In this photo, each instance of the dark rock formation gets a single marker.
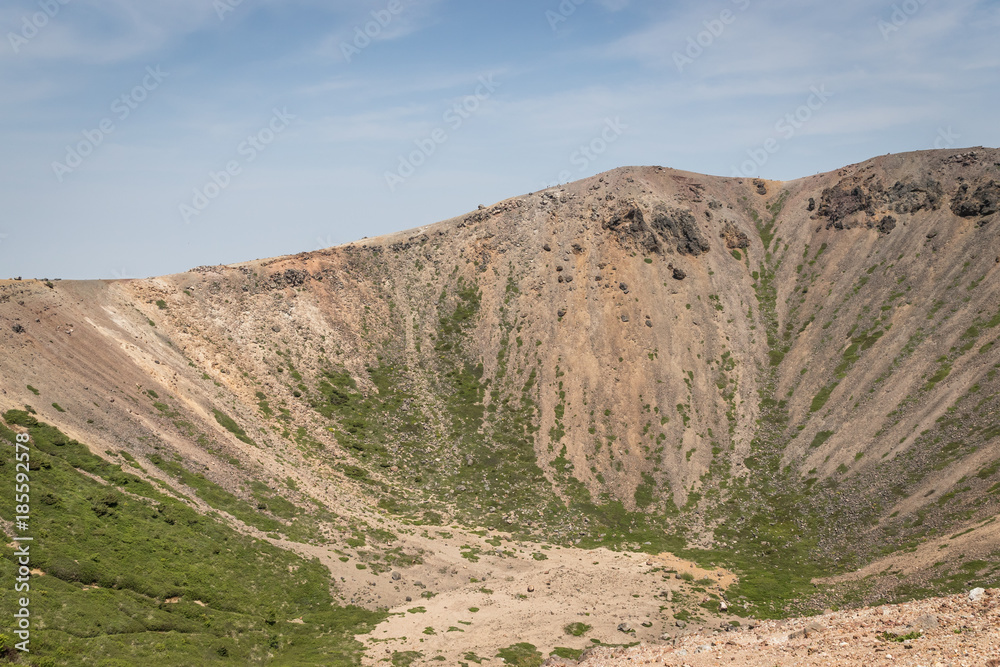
(680, 227)
(912, 196)
(844, 200)
(983, 201)
(886, 224)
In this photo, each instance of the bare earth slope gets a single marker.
(794, 380)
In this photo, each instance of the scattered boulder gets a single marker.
(547, 248)
(396, 576)
(623, 287)
(761, 186)
(561, 312)
(289, 278)
(976, 594)
(812, 204)
(625, 318)
(679, 274)
(624, 627)
(17, 328)
(886, 224)
(925, 622)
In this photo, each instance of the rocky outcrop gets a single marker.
(735, 239)
(982, 202)
(839, 203)
(629, 226)
(668, 230)
(680, 227)
(912, 196)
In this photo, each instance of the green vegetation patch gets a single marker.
(521, 654)
(230, 425)
(172, 587)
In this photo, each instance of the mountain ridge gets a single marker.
(794, 379)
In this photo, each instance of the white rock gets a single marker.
(976, 594)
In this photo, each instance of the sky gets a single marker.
(142, 138)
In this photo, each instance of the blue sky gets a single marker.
(145, 138)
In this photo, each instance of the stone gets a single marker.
(396, 576)
(976, 594)
(679, 274)
(561, 312)
(17, 328)
(735, 239)
(547, 248)
(625, 318)
(623, 287)
(925, 622)
(624, 627)
(649, 323)
(886, 224)
(681, 624)
(813, 627)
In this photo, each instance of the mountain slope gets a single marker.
(796, 379)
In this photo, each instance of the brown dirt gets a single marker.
(954, 632)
